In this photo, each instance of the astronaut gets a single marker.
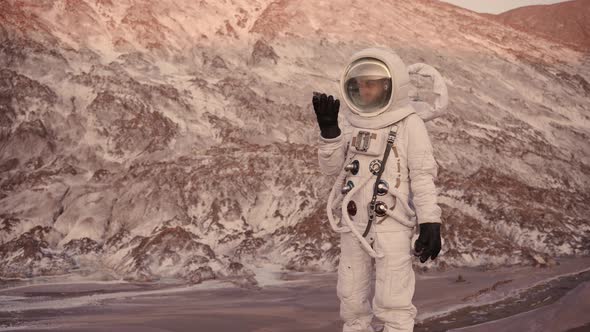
(385, 188)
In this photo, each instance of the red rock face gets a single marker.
(273, 19)
(263, 51)
(565, 22)
(131, 124)
(141, 20)
(172, 139)
(29, 255)
(19, 18)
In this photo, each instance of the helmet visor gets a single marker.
(367, 84)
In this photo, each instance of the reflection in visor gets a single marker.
(368, 85)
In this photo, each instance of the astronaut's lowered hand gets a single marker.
(428, 243)
(326, 109)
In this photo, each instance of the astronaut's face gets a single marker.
(367, 85)
(371, 90)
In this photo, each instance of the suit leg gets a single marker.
(395, 281)
(354, 281)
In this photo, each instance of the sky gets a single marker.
(497, 6)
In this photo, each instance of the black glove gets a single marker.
(326, 110)
(428, 243)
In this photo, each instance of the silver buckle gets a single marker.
(363, 140)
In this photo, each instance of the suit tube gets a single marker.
(330, 205)
(353, 229)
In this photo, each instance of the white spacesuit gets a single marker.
(385, 166)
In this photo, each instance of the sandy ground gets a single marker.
(572, 310)
(507, 299)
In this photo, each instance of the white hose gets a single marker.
(348, 222)
(396, 214)
(396, 193)
(337, 201)
(329, 206)
(345, 200)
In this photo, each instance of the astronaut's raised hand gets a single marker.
(428, 243)
(326, 109)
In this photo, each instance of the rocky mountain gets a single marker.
(176, 139)
(564, 22)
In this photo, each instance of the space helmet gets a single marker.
(374, 85)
